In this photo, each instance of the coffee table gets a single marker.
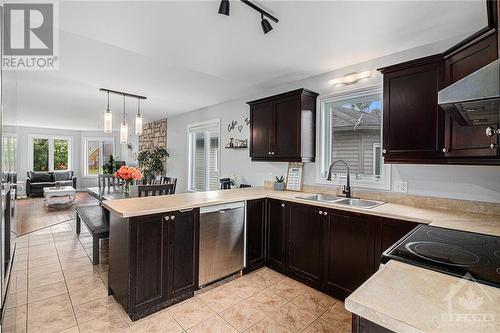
(62, 191)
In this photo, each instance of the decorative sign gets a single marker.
(294, 176)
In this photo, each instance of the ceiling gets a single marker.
(184, 56)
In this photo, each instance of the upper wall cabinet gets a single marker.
(413, 121)
(283, 127)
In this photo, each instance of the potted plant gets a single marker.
(279, 184)
(153, 162)
(109, 168)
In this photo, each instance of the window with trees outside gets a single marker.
(50, 153)
(351, 130)
(97, 153)
(9, 153)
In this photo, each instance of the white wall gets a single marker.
(23, 161)
(461, 182)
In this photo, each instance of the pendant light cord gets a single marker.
(124, 109)
(138, 107)
(108, 103)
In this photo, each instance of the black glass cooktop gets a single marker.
(450, 251)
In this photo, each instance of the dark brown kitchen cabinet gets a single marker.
(413, 128)
(275, 235)
(305, 242)
(255, 234)
(153, 260)
(282, 127)
(389, 231)
(349, 250)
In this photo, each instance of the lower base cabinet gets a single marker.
(255, 234)
(153, 260)
(275, 234)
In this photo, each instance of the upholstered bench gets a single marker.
(94, 218)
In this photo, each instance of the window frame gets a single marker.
(51, 139)
(85, 141)
(216, 123)
(324, 136)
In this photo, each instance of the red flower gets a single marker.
(128, 173)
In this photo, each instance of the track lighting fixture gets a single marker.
(266, 26)
(224, 7)
(108, 119)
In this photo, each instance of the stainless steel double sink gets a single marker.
(351, 202)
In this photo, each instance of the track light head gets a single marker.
(266, 26)
(224, 7)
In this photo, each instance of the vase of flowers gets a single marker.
(128, 174)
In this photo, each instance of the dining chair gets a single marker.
(108, 180)
(225, 183)
(170, 180)
(154, 190)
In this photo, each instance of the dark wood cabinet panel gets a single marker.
(304, 242)
(276, 219)
(261, 129)
(287, 119)
(389, 231)
(282, 127)
(255, 232)
(349, 252)
(183, 236)
(413, 122)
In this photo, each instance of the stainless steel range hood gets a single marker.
(475, 99)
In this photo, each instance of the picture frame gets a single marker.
(294, 177)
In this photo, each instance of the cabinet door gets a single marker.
(255, 252)
(147, 268)
(286, 141)
(304, 248)
(276, 218)
(261, 129)
(413, 121)
(349, 252)
(389, 232)
(183, 252)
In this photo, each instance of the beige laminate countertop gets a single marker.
(481, 223)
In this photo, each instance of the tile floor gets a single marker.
(55, 288)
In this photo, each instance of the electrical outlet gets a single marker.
(401, 186)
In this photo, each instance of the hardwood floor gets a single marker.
(32, 214)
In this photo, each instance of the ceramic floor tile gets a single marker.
(45, 279)
(266, 276)
(14, 320)
(46, 291)
(157, 323)
(245, 287)
(293, 317)
(321, 326)
(220, 298)
(87, 294)
(267, 325)
(84, 270)
(214, 325)
(95, 309)
(53, 314)
(243, 315)
(109, 323)
(16, 299)
(267, 301)
(73, 329)
(191, 313)
(85, 281)
(32, 263)
(288, 289)
(43, 270)
(314, 301)
(338, 316)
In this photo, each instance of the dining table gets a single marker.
(112, 192)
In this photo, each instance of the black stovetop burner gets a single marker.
(450, 251)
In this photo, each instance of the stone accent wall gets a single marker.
(153, 135)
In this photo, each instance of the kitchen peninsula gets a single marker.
(153, 259)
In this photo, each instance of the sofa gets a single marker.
(37, 180)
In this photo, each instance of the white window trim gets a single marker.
(51, 139)
(84, 152)
(323, 136)
(214, 122)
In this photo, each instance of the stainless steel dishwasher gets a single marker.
(221, 241)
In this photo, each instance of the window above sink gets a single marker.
(351, 130)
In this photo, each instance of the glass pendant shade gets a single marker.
(108, 121)
(124, 133)
(138, 124)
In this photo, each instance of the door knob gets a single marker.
(445, 150)
(282, 205)
(172, 217)
(320, 212)
(384, 151)
(325, 213)
(167, 218)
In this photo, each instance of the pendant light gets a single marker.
(124, 126)
(108, 119)
(138, 118)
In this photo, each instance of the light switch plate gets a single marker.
(401, 186)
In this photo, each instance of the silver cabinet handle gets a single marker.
(325, 213)
(384, 151)
(272, 153)
(172, 217)
(493, 146)
(320, 212)
(282, 205)
(167, 218)
(185, 210)
(445, 150)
